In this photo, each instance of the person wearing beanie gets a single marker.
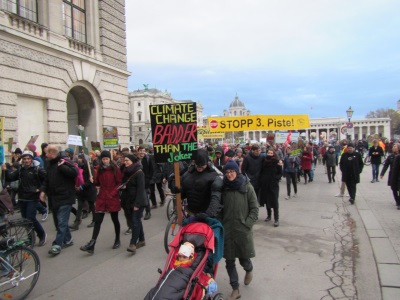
(134, 200)
(32, 179)
(239, 215)
(251, 166)
(330, 159)
(109, 178)
(70, 153)
(270, 175)
(202, 187)
(17, 155)
(351, 165)
(390, 163)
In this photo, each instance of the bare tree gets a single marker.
(387, 113)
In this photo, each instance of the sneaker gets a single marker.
(377, 180)
(154, 206)
(45, 215)
(373, 180)
(129, 231)
(351, 201)
(68, 244)
(295, 195)
(42, 241)
(91, 224)
(140, 244)
(276, 223)
(55, 250)
(268, 219)
(339, 195)
(287, 197)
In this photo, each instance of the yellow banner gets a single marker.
(259, 122)
(203, 132)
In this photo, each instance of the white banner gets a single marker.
(75, 140)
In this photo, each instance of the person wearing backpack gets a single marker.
(31, 179)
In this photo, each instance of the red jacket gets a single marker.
(108, 197)
(306, 158)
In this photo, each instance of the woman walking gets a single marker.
(239, 215)
(135, 198)
(108, 179)
(306, 163)
(290, 167)
(271, 173)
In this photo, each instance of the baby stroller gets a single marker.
(194, 282)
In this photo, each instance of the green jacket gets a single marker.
(240, 212)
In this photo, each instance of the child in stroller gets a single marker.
(190, 270)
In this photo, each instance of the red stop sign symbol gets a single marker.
(213, 124)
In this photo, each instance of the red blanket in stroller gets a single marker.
(188, 282)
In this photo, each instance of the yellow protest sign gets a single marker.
(203, 132)
(259, 122)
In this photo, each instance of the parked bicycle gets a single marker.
(21, 229)
(19, 269)
(171, 205)
(367, 160)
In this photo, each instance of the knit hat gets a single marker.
(132, 158)
(31, 147)
(238, 150)
(350, 145)
(231, 165)
(27, 153)
(105, 153)
(18, 151)
(69, 150)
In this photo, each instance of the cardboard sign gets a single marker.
(259, 122)
(74, 140)
(174, 131)
(95, 146)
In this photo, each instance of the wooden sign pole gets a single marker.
(178, 195)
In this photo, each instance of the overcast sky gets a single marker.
(279, 56)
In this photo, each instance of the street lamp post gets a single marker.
(349, 112)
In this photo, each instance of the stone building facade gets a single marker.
(63, 64)
(139, 102)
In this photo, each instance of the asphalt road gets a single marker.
(319, 251)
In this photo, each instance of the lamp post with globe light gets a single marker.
(349, 113)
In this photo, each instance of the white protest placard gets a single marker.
(74, 140)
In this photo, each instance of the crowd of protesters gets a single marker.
(222, 178)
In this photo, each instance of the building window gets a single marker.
(138, 104)
(74, 17)
(139, 116)
(140, 128)
(23, 8)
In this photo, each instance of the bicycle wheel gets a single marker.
(20, 267)
(171, 209)
(22, 231)
(367, 161)
(171, 231)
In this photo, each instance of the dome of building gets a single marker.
(236, 103)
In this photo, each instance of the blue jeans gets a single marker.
(28, 211)
(375, 171)
(137, 226)
(63, 233)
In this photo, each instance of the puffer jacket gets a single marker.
(31, 180)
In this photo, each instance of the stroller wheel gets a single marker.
(218, 296)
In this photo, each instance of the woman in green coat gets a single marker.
(239, 215)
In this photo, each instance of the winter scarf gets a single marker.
(235, 184)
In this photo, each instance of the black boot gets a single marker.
(89, 247)
(74, 226)
(117, 244)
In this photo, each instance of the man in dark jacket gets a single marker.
(330, 159)
(60, 189)
(202, 187)
(351, 165)
(251, 167)
(31, 179)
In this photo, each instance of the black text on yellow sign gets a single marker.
(259, 122)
